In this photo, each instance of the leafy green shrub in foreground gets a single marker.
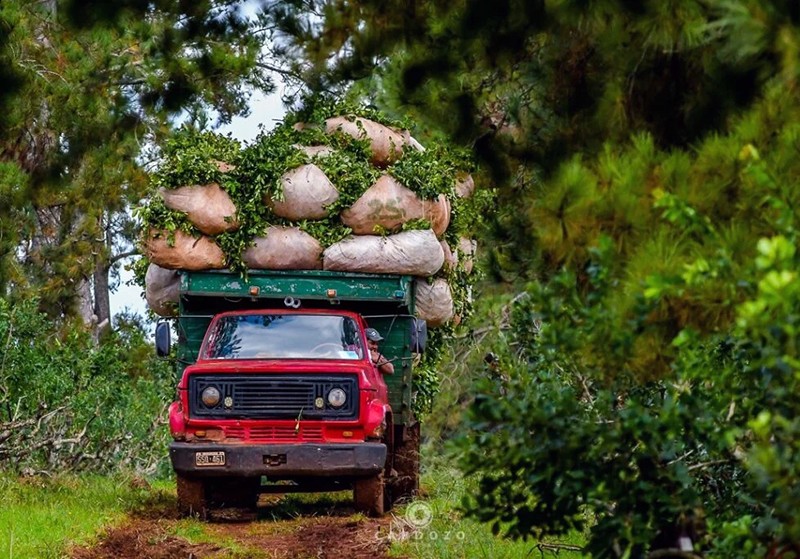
(708, 450)
(70, 403)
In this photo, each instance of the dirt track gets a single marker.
(279, 532)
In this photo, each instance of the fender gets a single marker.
(375, 419)
(177, 423)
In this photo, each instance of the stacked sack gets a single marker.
(305, 194)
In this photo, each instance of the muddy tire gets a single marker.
(404, 483)
(369, 495)
(192, 497)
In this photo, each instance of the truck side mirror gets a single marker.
(163, 338)
(419, 335)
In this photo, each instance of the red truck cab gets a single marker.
(290, 395)
(277, 398)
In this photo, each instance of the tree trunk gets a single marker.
(84, 300)
(102, 304)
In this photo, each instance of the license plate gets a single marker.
(216, 458)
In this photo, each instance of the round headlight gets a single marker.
(210, 396)
(337, 397)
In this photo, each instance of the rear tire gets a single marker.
(405, 479)
(369, 495)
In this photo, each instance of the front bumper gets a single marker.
(279, 460)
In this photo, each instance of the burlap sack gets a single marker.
(162, 290)
(208, 207)
(450, 258)
(306, 194)
(466, 253)
(434, 301)
(187, 253)
(465, 186)
(385, 143)
(438, 213)
(284, 248)
(389, 204)
(315, 151)
(410, 140)
(416, 253)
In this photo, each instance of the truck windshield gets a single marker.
(284, 336)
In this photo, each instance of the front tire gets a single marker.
(369, 495)
(192, 497)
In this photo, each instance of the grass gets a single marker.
(449, 536)
(39, 517)
(196, 531)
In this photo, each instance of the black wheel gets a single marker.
(369, 495)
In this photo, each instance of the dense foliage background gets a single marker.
(643, 302)
(92, 89)
(70, 403)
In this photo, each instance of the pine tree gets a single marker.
(97, 84)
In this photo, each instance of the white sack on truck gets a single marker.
(284, 248)
(434, 303)
(186, 253)
(315, 151)
(385, 143)
(208, 207)
(388, 204)
(450, 258)
(416, 253)
(465, 185)
(409, 139)
(307, 192)
(438, 213)
(162, 290)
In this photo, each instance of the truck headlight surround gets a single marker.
(210, 396)
(337, 397)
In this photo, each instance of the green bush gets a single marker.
(573, 430)
(70, 403)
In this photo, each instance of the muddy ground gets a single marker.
(318, 530)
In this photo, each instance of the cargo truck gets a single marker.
(278, 394)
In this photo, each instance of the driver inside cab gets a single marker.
(383, 365)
